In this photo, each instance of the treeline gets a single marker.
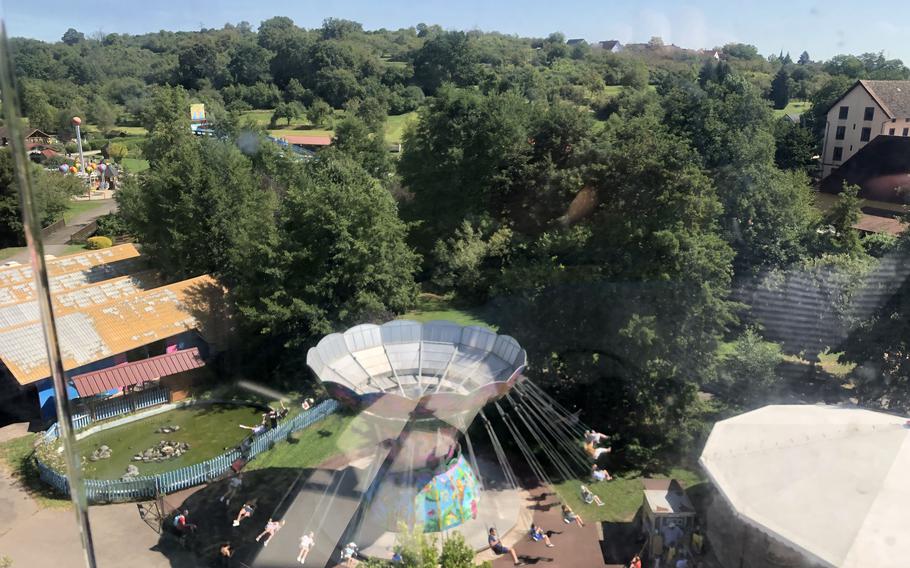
(107, 77)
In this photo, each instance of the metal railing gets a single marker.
(146, 487)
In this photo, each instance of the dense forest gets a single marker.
(606, 209)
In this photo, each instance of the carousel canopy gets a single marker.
(828, 481)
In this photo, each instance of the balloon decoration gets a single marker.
(73, 169)
(77, 121)
(64, 168)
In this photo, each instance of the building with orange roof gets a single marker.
(110, 312)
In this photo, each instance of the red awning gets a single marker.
(126, 374)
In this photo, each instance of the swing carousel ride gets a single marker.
(420, 387)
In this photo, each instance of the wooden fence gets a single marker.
(146, 487)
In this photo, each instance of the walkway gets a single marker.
(574, 546)
(56, 243)
(31, 536)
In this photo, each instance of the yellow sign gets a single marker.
(197, 111)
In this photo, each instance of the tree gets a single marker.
(742, 51)
(116, 151)
(655, 42)
(52, 194)
(287, 111)
(447, 57)
(748, 373)
(198, 208)
(319, 113)
(102, 114)
(249, 63)
(200, 59)
(793, 146)
(780, 89)
(842, 217)
(337, 28)
(72, 37)
(354, 138)
(816, 117)
(468, 262)
(804, 58)
(456, 553)
(35, 106)
(340, 258)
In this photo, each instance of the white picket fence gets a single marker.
(145, 487)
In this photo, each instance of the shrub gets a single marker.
(97, 143)
(112, 225)
(95, 243)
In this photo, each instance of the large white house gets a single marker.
(868, 109)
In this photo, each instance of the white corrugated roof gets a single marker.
(829, 481)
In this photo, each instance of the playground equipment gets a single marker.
(77, 122)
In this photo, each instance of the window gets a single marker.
(843, 112)
(893, 120)
(838, 153)
(841, 130)
(865, 134)
(906, 130)
(890, 132)
(869, 114)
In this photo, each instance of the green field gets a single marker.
(134, 165)
(16, 458)
(209, 429)
(10, 251)
(622, 497)
(794, 107)
(431, 307)
(394, 127)
(311, 446)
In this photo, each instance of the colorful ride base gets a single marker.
(443, 501)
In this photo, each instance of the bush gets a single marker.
(71, 147)
(111, 225)
(95, 243)
(97, 143)
(878, 244)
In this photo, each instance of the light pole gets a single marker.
(76, 122)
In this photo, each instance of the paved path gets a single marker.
(56, 242)
(34, 537)
(574, 546)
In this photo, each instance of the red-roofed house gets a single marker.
(310, 142)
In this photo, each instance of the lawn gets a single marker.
(209, 429)
(16, 457)
(793, 107)
(622, 497)
(134, 165)
(432, 307)
(10, 251)
(77, 208)
(395, 126)
(312, 446)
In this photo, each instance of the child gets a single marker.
(589, 497)
(598, 474)
(538, 535)
(234, 486)
(349, 554)
(306, 543)
(569, 516)
(595, 453)
(271, 528)
(245, 512)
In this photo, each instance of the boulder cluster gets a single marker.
(167, 429)
(101, 453)
(164, 450)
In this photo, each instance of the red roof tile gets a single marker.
(96, 382)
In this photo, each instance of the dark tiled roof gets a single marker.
(894, 96)
(609, 44)
(881, 168)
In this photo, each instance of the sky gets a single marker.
(821, 28)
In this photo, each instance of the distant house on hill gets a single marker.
(576, 41)
(32, 136)
(611, 45)
(867, 110)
